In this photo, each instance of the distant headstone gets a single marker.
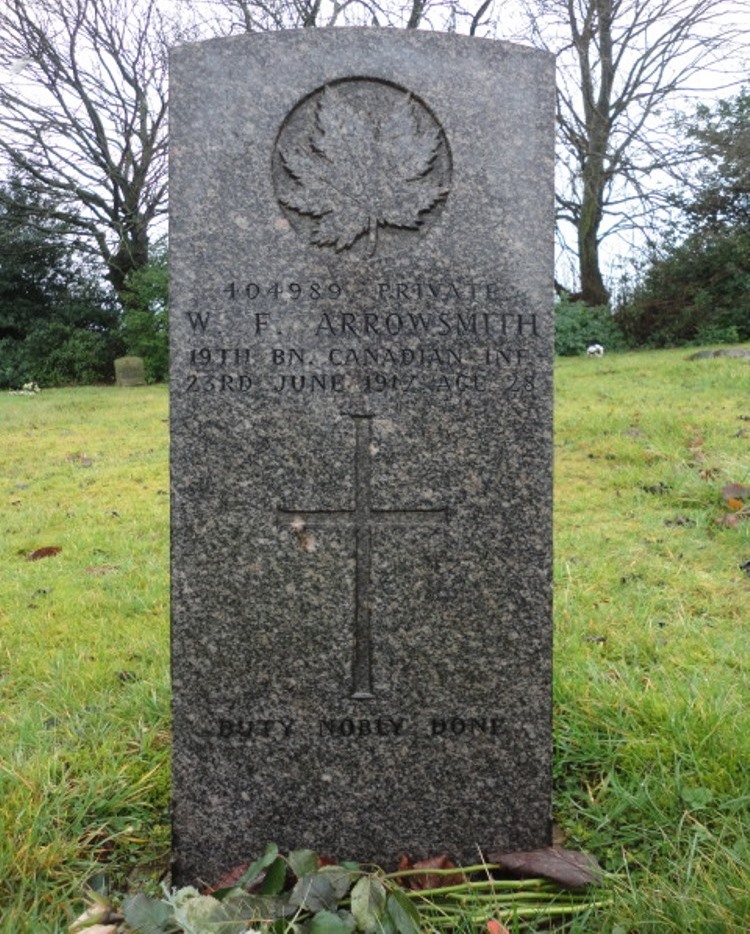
(129, 371)
(361, 340)
(733, 352)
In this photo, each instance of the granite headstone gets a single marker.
(361, 340)
(130, 371)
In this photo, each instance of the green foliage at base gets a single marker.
(300, 894)
(578, 325)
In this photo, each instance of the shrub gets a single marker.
(57, 354)
(578, 325)
(144, 325)
(697, 292)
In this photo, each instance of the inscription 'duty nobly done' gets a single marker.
(359, 728)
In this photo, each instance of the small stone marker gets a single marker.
(129, 371)
(361, 332)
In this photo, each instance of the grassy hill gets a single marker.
(652, 669)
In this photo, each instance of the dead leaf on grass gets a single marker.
(735, 492)
(230, 879)
(656, 489)
(570, 868)
(428, 880)
(127, 676)
(49, 552)
(732, 519)
(82, 460)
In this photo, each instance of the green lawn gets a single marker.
(652, 683)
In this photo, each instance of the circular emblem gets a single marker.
(359, 162)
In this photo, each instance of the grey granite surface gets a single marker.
(361, 340)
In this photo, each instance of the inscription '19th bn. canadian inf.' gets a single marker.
(444, 337)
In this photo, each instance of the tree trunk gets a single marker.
(593, 290)
(131, 254)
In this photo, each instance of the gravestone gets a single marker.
(129, 371)
(361, 340)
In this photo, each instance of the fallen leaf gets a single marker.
(97, 919)
(735, 491)
(127, 676)
(49, 552)
(229, 880)
(657, 489)
(494, 927)
(323, 861)
(81, 459)
(429, 880)
(731, 519)
(569, 868)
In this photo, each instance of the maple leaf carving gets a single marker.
(363, 170)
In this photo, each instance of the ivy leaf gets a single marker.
(403, 913)
(273, 884)
(363, 171)
(368, 903)
(303, 862)
(148, 915)
(340, 878)
(313, 892)
(256, 868)
(202, 913)
(326, 922)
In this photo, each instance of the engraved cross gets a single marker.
(363, 518)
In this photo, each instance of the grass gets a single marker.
(83, 646)
(652, 673)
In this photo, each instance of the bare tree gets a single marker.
(83, 103)
(226, 16)
(621, 64)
